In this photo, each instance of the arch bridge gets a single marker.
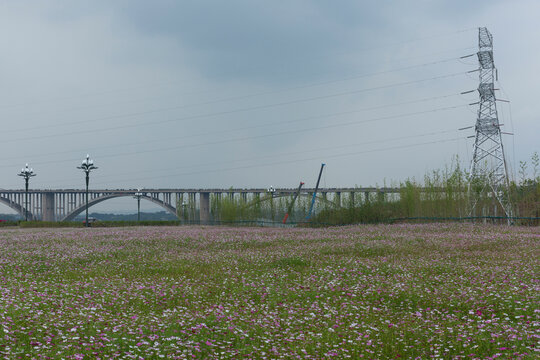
(66, 204)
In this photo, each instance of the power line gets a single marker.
(234, 130)
(393, 139)
(293, 161)
(246, 138)
(228, 112)
(108, 91)
(281, 162)
(242, 97)
(288, 154)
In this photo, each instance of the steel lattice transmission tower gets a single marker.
(488, 173)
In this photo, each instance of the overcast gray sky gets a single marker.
(200, 94)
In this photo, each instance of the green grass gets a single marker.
(441, 290)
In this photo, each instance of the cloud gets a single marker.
(254, 40)
(167, 93)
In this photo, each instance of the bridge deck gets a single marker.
(65, 204)
(200, 190)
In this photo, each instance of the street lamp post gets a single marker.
(138, 196)
(271, 190)
(87, 166)
(26, 173)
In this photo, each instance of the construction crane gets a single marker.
(289, 209)
(315, 192)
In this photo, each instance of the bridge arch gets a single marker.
(18, 208)
(92, 202)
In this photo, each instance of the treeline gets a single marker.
(447, 195)
(441, 195)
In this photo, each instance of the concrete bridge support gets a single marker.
(48, 205)
(337, 198)
(204, 208)
(192, 206)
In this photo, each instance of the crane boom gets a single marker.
(315, 192)
(289, 209)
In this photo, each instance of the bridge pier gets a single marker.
(337, 199)
(192, 206)
(48, 207)
(204, 208)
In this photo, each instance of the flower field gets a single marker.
(375, 292)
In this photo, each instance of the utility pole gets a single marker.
(488, 173)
